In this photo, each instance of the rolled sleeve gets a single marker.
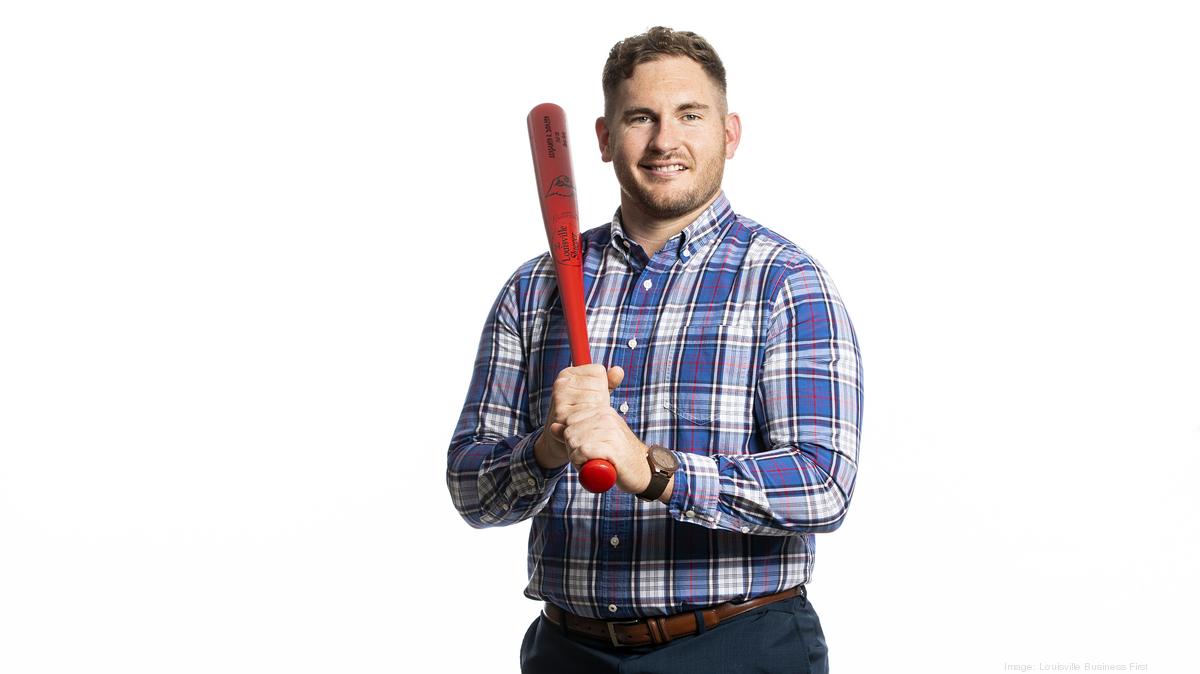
(529, 478)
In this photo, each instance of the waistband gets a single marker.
(660, 630)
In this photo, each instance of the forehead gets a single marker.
(667, 81)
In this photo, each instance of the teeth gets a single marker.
(672, 167)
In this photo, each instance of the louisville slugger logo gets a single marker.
(565, 243)
(561, 187)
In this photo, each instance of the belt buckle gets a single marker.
(612, 633)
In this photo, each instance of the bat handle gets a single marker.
(597, 475)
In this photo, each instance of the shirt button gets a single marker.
(624, 408)
(647, 284)
(690, 513)
(615, 541)
(745, 530)
(686, 253)
(612, 608)
(633, 343)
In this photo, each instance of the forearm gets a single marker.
(548, 453)
(777, 493)
(491, 471)
(499, 483)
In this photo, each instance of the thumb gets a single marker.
(615, 376)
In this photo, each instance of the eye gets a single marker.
(692, 117)
(639, 119)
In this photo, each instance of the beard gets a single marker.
(675, 202)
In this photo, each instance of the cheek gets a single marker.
(631, 144)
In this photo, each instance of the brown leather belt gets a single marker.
(656, 631)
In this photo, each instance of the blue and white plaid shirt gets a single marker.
(738, 354)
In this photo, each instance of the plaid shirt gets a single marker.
(738, 355)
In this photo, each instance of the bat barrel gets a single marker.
(560, 213)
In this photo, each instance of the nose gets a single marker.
(666, 136)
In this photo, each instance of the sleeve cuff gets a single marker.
(695, 494)
(528, 477)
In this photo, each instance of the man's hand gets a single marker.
(582, 425)
(601, 433)
(575, 390)
(592, 430)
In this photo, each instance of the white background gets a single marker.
(248, 247)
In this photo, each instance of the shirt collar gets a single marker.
(699, 234)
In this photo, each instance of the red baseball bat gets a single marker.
(556, 192)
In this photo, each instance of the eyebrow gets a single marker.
(690, 105)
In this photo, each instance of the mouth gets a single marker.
(663, 170)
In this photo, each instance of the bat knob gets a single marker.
(597, 476)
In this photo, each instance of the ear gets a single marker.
(733, 134)
(603, 137)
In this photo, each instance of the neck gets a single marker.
(652, 233)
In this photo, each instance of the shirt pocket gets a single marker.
(711, 380)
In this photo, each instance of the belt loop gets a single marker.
(662, 627)
(658, 635)
(803, 595)
(561, 622)
(700, 627)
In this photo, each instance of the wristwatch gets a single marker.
(663, 464)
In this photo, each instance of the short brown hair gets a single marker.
(653, 44)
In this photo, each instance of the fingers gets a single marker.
(579, 398)
(591, 433)
(575, 419)
(564, 414)
(581, 385)
(583, 412)
(584, 378)
(577, 388)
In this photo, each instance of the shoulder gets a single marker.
(541, 267)
(784, 262)
(534, 282)
(799, 289)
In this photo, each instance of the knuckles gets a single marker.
(592, 430)
(590, 376)
(567, 392)
(592, 371)
(579, 416)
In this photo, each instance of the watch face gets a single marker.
(664, 459)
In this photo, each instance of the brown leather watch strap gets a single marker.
(659, 630)
(658, 484)
(660, 475)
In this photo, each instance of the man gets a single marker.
(730, 406)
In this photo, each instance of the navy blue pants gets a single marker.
(784, 636)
